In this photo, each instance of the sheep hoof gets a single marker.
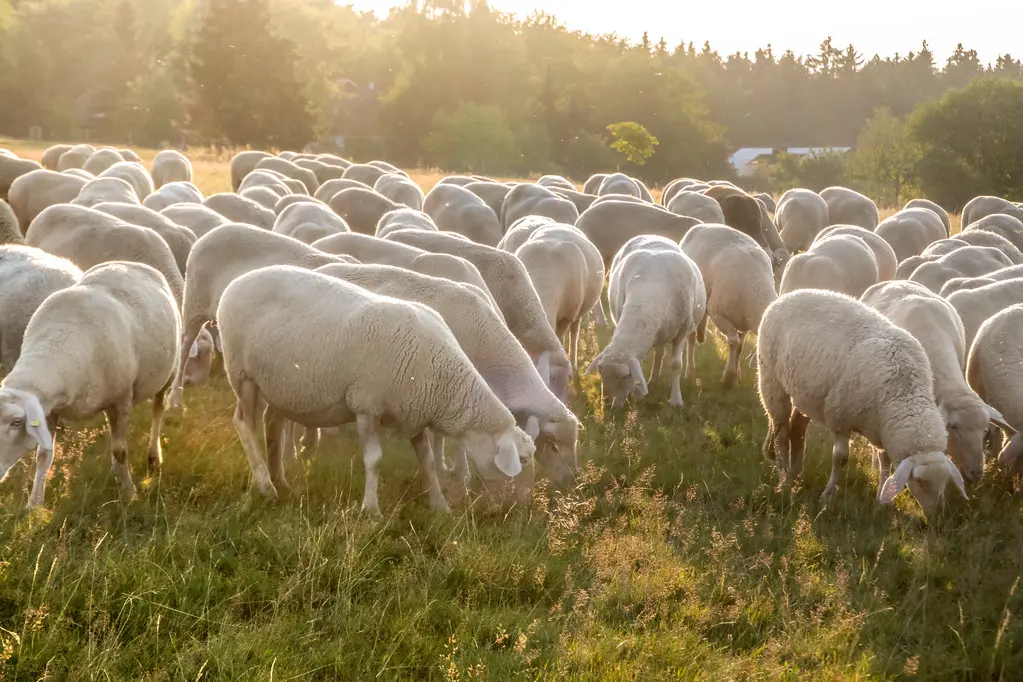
(175, 401)
(267, 490)
(372, 512)
(676, 402)
(129, 493)
(827, 497)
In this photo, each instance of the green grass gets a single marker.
(674, 558)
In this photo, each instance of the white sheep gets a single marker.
(657, 298)
(362, 208)
(884, 255)
(981, 237)
(936, 325)
(170, 165)
(75, 157)
(969, 261)
(328, 189)
(739, 279)
(995, 371)
(179, 239)
(910, 231)
(279, 184)
(522, 229)
(404, 218)
(388, 362)
(401, 190)
(801, 215)
(244, 163)
(10, 232)
(263, 196)
(51, 157)
(135, 174)
(195, 217)
(103, 190)
(105, 344)
(238, 209)
(456, 209)
(854, 371)
(977, 305)
(610, 224)
(173, 193)
(528, 199)
(983, 206)
(1008, 226)
(308, 222)
(849, 207)
(938, 211)
(33, 192)
(289, 170)
(101, 159)
(961, 283)
(842, 263)
(696, 205)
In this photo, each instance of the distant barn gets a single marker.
(745, 160)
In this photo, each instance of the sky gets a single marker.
(883, 27)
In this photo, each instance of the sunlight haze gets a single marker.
(883, 27)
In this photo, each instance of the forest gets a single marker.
(459, 86)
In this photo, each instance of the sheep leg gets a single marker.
(421, 443)
(287, 442)
(884, 465)
(190, 332)
(676, 371)
(278, 431)
(117, 421)
(655, 372)
(797, 443)
(155, 451)
(839, 457)
(573, 343)
(461, 463)
(44, 460)
(731, 334)
(372, 453)
(690, 357)
(310, 441)
(245, 424)
(597, 311)
(738, 356)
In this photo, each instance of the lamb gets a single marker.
(364, 173)
(404, 218)
(195, 217)
(11, 168)
(238, 209)
(361, 208)
(969, 261)
(995, 370)
(529, 200)
(75, 157)
(102, 159)
(696, 205)
(849, 207)
(509, 283)
(1001, 224)
(492, 193)
(938, 211)
(910, 231)
(739, 281)
(309, 222)
(982, 206)
(103, 190)
(801, 215)
(134, 174)
(400, 190)
(242, 164)
(884, 256)
(29, 275)
(854, 371)
(657, 297)
(124, 326)
(173, 193)
(977, 305)
(842, 263)
(10, 233)
(456, 209)
(936, 325)
(51, 157)
(179, 239)
(611, 224)
(289, 170)
(325, 384)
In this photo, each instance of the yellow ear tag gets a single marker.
(34, 422)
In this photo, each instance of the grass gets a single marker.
(674, 558)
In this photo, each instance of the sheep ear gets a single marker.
(217, 343)
(957, 478)
(533, 427)
(636, 370)
(193, 352)
(896, 482)
(594, 366)
(996, 418)
(507, 459)
(543, 366)
(35, 423)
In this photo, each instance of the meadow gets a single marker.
(675, 557)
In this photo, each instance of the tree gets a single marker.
(885, 157)
(632, 141)
(472, 137)
(246, 88)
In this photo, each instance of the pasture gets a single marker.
(675, 557)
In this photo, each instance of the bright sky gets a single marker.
(991, 27)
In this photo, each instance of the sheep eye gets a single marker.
(17, 423)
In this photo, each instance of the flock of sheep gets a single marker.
(339, 292)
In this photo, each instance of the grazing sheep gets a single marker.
(400, 190)
(460, 180)
(884, 256)
(938, 211)
(51, 157)
(11, 168)
(969, 261)
(102, 190)
(767, 200)
(238, 209)
(995, 371)
(981, 237)
(910, 231)
(331, 187)
(129, 155)
(960, 283)
(977, 305)
(553, 181)
(521, 230)
(322, 171)
(242, 164)
(696, 205)
(657, 298)
(105, 344)
(264, 196)
(983, 206)
(195, 217)
(492, 193)
(936, 250)
(308, 222)
(29, 275)
(581, 201)
(267, 179)
(740, 285)
(170, 165)
(10, 233)
(290, 170)
(40, 189)
(801, 215)
(849, 207)
(854, 371)
(1001, 224)
(75, 157)
(365, 173)
(592, 184)
(611, 224)
(618, 197)
(456, 209)
(618, 183)
(291, 199)
(404, 218)
(173, 193)
(388, 167)
(134, 174)
(102, 159)
(936, 325)
(841, 263)
(508, 282)
(333, 160)
(674, 187)
(326, 384)
(746, 214)
(536, 200)
(362, 208)
(179, 239)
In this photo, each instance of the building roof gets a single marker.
(744, 159)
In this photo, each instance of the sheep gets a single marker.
(333, 160)
(969, 261)
(75, 157)
(123, 325)
(11, 168)
(271, 180)
(10, 233)
(388, 167)
(459, 180)
(994, 372)
(238, 209)
(101, 159)
(854, 371)
(1001, 224)
(508, 282)
(218, 258)
(456, 209)
(264, 196)
(173, 193)
(618, 183)
(553, 181)
(982, 206)
(331, 187)
(170, 165)
(993, 240)
(910, 231)
(739, 281)
(404, 218)
(567, 272)
(961, 283)
(936, 250)
(841, 263)
(849, 207)
(242, 164)
(289, 170)
(767, 200)
(134, 174)
(801, 215)
(309, 222)
(529, 200)
(522, 230)
(301, 379)
(750, 216)
(492, 193)
(35, 191)
(129, 155)
(195, 217)
(291, 199)
(29, 275)
(581, 201)
(322, 171)
(401, 190)
(938, 211)
(592, 184)
(657, 297)
(977, 305)
(51, 157)
(674, 187)
(179, 239)
(611, 224)
(884, 256)
(79, 173)
(102, 190)
(364, 173)
(696, 205)
(936, 325)
(361, 208)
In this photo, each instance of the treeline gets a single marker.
(439, 82)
